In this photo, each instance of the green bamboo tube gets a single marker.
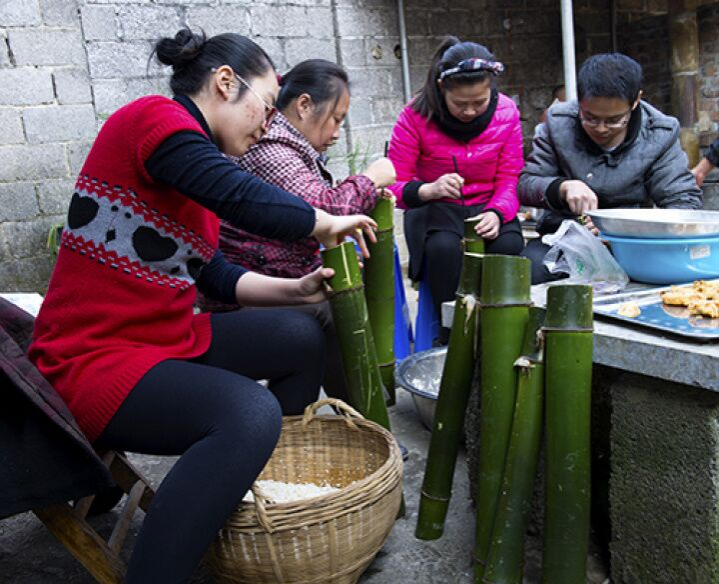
(354, 333)
(472, 242)
(451, 404)
(568, 358)
(505, 301)
(506, 553)
(379, 292)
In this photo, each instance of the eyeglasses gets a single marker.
(270, 110)
(613, 123)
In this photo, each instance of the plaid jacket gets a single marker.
(285, 158)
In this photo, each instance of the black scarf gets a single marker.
(466, 131)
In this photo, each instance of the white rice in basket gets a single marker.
(279, 492)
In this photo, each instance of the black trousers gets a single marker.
(535, 251)
(224, 425)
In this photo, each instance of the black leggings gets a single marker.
(333, 382)
(224, 424)
(443, 254)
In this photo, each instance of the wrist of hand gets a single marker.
(426, 192)
(563, 190)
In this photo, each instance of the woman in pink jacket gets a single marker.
(457, 150)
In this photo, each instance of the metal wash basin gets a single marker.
(420, 374)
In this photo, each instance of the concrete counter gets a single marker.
(640, 350)
(655, 432)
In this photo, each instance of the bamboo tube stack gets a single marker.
(379, 291)
(506, 553)
(505, 301)
(451, 404)
(354, 333)
(568, 337)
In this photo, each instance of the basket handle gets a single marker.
(260, 502)
(347, 413)
(345, 410)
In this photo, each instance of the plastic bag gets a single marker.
(575, 251)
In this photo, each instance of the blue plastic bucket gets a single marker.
(666, 261)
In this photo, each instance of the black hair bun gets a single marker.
(181, 50)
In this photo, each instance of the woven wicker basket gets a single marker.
(330, 539)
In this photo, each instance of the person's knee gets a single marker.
(441, 244)
(305, 330)
(506, 244)
(535, 252)
(249, 415)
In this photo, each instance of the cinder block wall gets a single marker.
(65, 65)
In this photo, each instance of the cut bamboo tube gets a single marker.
(568, 358)
(506, 553)
(472, 242)
(451, 404)
(379, 292)
(354, 333)
(505, 301)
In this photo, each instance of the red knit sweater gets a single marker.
(120, 299)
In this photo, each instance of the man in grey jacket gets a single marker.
(609, 149)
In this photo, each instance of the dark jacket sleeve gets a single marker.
(541, 178)
(669, 182)
(217, 280)
(192, 164)
(712, 153)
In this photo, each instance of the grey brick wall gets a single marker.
(66, 65)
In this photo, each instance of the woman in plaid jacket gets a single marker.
(313, 102)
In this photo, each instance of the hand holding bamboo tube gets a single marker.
(331, 230)
(254, 289)
(472, 242)
(354, 333)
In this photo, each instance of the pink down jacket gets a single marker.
(489, 163)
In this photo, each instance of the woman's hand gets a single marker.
(381, 172)
(578, 196)
(447, 185)
(311, 288)
(254, 289)
(330, 230)
(386, 194)
(488, 226)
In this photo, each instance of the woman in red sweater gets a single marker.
(117, 336)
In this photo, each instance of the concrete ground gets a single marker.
(30, 555)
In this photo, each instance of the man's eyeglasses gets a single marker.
(613, 123)
(270, 110)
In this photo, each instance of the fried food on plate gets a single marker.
(705, 308)
(629, 309)
(681, 296)
(701, 297)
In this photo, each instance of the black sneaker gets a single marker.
(403, 451)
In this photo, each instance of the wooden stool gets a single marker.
(68, 524)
